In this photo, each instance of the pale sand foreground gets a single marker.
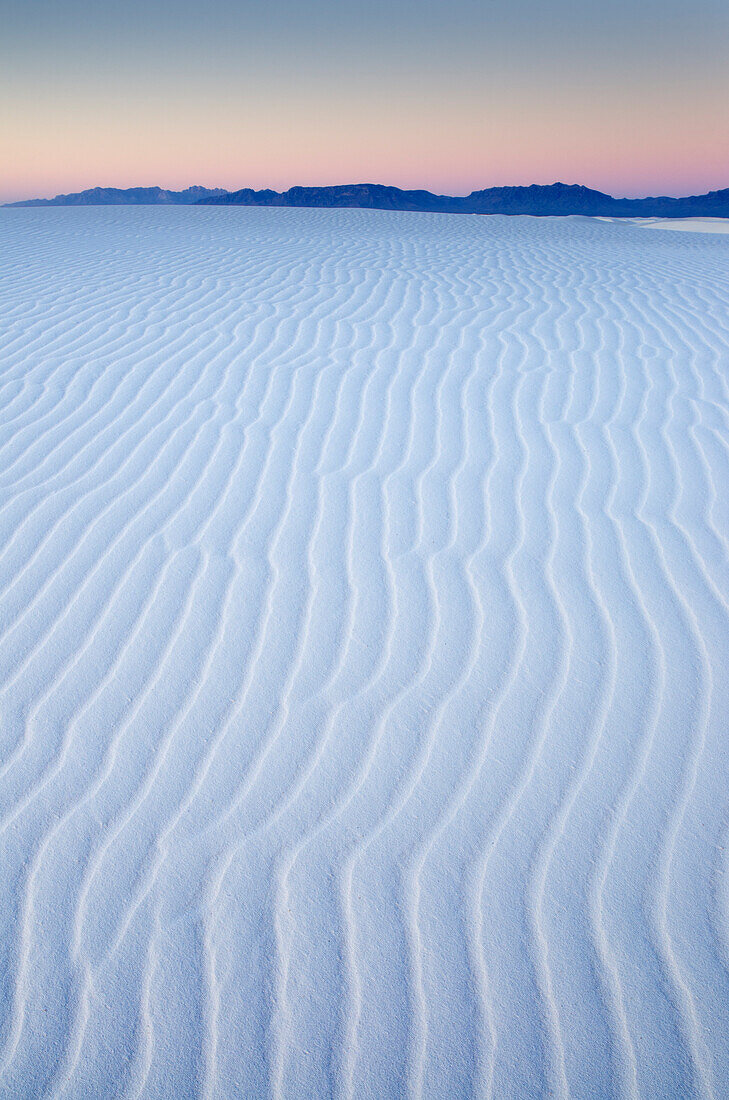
(364, 656)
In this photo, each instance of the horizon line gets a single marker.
(358, 183)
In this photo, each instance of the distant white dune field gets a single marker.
(363, 666)
(688, 225)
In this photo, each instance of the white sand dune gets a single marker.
(687, 225)
(364, 695)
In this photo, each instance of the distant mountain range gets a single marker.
(130, 196)
(538, 200)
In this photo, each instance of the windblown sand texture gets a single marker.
(365, 656)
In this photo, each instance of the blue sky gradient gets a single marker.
(450, 96)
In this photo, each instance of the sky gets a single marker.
(451, 95)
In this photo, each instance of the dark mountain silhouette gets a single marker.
(538, 200)
(374, 196)
(555, 199)
(130, 196)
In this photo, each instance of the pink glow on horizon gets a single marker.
(646, 179)
(623, 147)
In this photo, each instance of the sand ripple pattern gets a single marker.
(364, 704)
